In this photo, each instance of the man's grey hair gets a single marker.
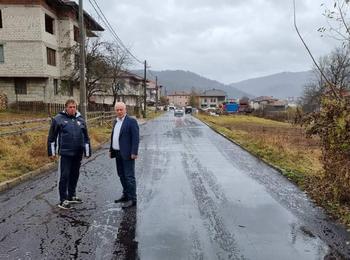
(119, 104)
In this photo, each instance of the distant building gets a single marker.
(268, 103)
(261, 102)
(277, 105)
(153, 91)
(212, 98)
(130, 91)
(179, 98)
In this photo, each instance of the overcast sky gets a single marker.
(224, 40)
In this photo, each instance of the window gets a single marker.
(70, 91)
(66, 88)
(76, 61)
(20, 86)
(51, 56)
(49, 22)
(76, 33)
(55, 86)
(0, 18)
(2, 58)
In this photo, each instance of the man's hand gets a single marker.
(53, 157)
(134, 156)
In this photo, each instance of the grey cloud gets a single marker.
(226, 40)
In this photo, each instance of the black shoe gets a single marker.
(129, 204)
(75, 200)
(64, 205)
(121, 199)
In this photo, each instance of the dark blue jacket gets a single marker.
(128, 138)
(68, 135)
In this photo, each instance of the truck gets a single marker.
(231, 107)
(244, 106)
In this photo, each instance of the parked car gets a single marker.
(179, 112)
(188, 110)
(208, 109)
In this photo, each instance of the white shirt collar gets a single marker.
(121, 120)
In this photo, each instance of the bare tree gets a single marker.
(97, 66)
(336, 67)
(338, 27)
(332, 122)
(117, 60)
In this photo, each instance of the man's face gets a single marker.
(71, 109)
(120, 110)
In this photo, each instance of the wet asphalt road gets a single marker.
(199, 197)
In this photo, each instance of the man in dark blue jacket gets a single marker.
(124, 148)
(68, 137)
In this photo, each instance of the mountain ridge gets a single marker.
(280, 85)
(178, 80)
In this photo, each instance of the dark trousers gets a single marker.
(69, 175)
(126, 173)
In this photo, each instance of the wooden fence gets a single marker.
(20, 127)
(52, 108)
(100, 117)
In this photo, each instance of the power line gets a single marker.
(114, 34)
(108, 25)
(117, 38)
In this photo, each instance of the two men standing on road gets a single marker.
(124, 148)
(68, 137)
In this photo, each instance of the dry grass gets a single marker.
(285, 146)
(6, 116)
(280, 144)
(153, 114)
(18, 154)
(23, 153)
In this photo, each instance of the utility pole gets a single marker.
(144, 91)
(82, 62)
(156, 94)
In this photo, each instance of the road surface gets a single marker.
(199, 197)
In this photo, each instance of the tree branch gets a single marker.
(331, 85)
